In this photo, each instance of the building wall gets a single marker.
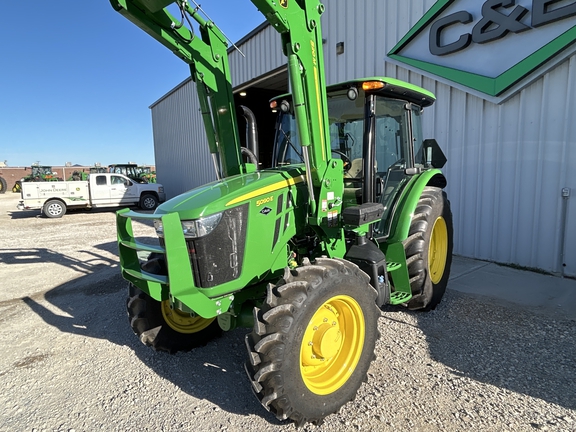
(181, 153)
(507, 162)
(262, 54)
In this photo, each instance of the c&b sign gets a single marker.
(488, 45)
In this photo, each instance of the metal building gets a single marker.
(504, 78)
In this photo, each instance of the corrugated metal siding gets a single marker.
(182, 157)
(181, 152)
(506, 167)
(506, 164)
(263, 54)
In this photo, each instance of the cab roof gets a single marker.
(392, 88)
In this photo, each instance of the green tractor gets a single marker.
(38, 173)
(146, 173)
(350, 217)
(78, 176)
(83, 176)
(129, 170)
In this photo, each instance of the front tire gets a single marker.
(165, 329)
(429, 249)
(54, 209)
(148, 202)
(313, 340)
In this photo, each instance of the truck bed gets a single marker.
(72, 192)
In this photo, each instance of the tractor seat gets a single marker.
(355, 170)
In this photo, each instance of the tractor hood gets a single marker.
(230, 192)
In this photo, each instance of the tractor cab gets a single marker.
(98, 170)
(129, 170)
(42, 173)
(376, 130)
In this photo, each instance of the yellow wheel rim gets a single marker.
(438, 250)
(183, 322)
(332, 345)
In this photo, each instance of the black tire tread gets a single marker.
(425, 296)
(273, 322)
(146, 321)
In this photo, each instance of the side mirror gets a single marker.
(433, 153)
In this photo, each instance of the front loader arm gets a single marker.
(208, 60)
(298, 22)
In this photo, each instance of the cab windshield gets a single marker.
(396, 125)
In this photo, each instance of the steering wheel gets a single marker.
(346, 159)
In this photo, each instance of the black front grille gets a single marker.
(217, 257)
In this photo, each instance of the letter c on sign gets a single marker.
(436, 48)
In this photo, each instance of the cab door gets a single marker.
(122, 190)
(393, 154)
(100, 190)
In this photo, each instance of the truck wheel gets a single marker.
(54, 209)
(165, 329)
(148, 202)
(429, 249)
(3, 185)
(313, 340)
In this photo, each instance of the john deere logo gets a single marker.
(284, 3)
(488, 45)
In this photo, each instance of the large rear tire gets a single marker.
(313, 340)
(165, 329)
(3, 185)
(429, 249)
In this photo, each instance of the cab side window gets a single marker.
(100, 180)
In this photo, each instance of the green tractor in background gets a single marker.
(83, 176)
(146, 173)
(350, 217)
(131, 171)
(38, 173)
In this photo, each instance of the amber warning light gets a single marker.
(372, 85)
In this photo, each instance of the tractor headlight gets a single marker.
(201, 227)
(193, 228)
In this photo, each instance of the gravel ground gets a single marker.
(70, 361)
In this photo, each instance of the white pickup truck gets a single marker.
(100, 190)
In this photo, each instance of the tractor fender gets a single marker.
(408, 201)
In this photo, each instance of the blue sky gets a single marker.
(77, 78)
